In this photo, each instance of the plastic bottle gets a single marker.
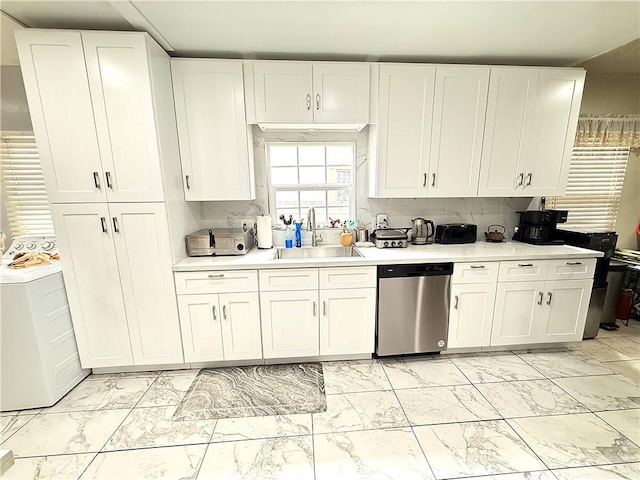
(288, 238)
(298, 235)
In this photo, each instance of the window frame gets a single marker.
(312, 186)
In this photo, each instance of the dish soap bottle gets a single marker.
(298, 235)
(288, 238)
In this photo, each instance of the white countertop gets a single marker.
(472, 252)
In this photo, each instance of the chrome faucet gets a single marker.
(311, 227)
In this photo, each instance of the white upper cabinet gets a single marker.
(507, 135)
(554, 130)
(341, 93)
(215, 143)
(55, 77)
(460, 103)
(401, 143)
(284, 92)
(302, 92)
(120, 82)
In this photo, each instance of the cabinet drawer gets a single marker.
(523, 271)
(348, 277)
(290, 279)
(571, 269)
(228, 281)
(475, 272)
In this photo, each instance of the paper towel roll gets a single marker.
(265, 240)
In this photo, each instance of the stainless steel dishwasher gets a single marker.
(413, 308)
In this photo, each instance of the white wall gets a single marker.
(481, 211)
(606, 94)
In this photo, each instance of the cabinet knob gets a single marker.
(424, 180)
(455, 305)
(314, 309)
(108, 177)
(550, 295)
(308, 101)
(433, 179)
(103, 221)
(96, 180)
(186, 177)
(324, 308)
(520, 180)
(224, 312)
(529, 178)
(477, 266)
(213, 309)
(317, 101)
(540, 296)
(574, 263)
(220, 275)
(115, 225)
(525, 264)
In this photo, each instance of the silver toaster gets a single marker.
(220, 241)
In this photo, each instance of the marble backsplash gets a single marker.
(480, 211)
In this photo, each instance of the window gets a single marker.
(311, 174)
(595, 183)
(23, 186)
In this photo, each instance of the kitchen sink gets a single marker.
(316, 252)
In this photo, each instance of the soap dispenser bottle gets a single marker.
(298, 235)
(288, 238)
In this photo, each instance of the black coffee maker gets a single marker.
(538, 227)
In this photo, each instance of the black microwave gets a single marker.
(451, 233)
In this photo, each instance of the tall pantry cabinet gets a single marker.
(104, 122)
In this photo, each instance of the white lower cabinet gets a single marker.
(290, 324)
(564, 310)
(218, 327)
(116, 261)
(471, 315)
(347, 324)
(516, 313)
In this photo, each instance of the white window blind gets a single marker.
(23, 188)
(594, 189)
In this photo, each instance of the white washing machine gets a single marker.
(39, 361)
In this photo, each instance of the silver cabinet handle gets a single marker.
(529, 178)
(317, 101)
(424, 181)
(220, 275)
(96, 180)
(550, 295)
(314, 309)
(324, 308)
(108, 177)
(455, 305)
(115, 225)
(525, 264)
(574, 263)
(186, 177)
(103, 221)
(214, 312)
(308, 101)
(477, 266)
(520, 180)
(224, 312)
(541, 294)
(433, 179)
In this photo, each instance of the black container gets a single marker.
(538, 227)
(456, 233)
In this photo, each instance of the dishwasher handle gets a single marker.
(415, 270)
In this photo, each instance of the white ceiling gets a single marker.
(508, 32)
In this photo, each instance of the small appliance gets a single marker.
(220, 241)
(390, 238)
(422, 231)
(455, 233)
(538, 227)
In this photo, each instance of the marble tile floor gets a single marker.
(571, 413)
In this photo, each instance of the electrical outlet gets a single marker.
(381, 221)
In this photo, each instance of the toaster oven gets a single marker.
(220, 241)
(453, 233)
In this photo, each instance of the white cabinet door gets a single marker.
(200, 323)
(517, 313)
(84, 236)
(341, 93)
(283, 92)
(290, 324)
(554, 129)
(212, 129)
(405, 105)
(507, 133)
(460, 102)
(141, 237)
(347, 324)
(121, 90)
(55, 79)
(565, 310)
(241, 334)
(471, 315)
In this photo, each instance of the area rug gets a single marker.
(254, 391)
